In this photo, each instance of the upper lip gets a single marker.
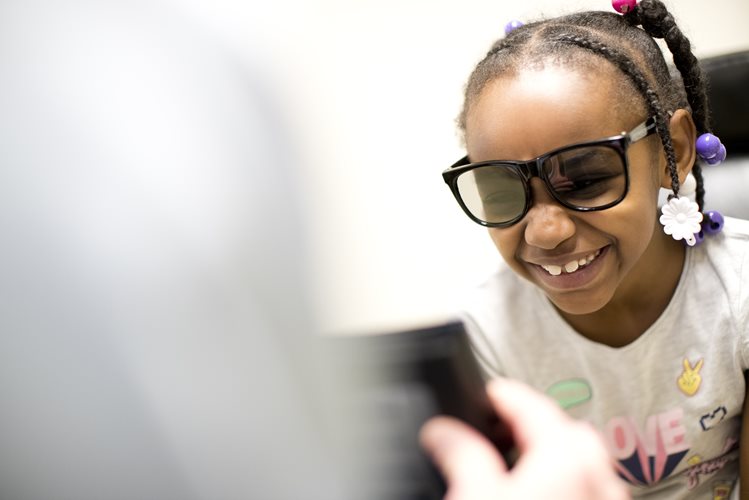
(562, 260)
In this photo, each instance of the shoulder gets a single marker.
(721, 266)
(736, 229)
(728, 251)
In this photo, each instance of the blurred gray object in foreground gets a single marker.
(152, 301)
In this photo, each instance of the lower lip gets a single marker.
(578, 279)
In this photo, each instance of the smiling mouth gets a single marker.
(572, 266)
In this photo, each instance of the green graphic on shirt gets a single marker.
(569, 393)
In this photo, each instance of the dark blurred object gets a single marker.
(397, 382)
(728, 77)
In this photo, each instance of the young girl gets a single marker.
(633, 320)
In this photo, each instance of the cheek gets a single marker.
(507, 242)
(635, 223)
(646, 173)
(632, 222)
(637, 214)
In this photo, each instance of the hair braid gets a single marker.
(658, 22)
(626, 65)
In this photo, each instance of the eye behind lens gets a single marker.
(586, 176)
(494, 194)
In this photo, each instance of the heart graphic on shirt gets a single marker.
(712, 419)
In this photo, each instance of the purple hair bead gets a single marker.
(512, 25)
(710, 149)
(719, 157)
(721, 152)
(623, 6)
(708, 146)
(713, 222)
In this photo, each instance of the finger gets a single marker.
(465, 457)
(530, 414)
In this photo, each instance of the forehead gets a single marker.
(533, 111)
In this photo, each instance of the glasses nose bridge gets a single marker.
(535, 168)
(530, 169)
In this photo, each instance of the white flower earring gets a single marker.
(681, 218)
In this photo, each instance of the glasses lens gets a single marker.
(492, 193)
(587, 177)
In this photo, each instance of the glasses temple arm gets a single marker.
(642, 130)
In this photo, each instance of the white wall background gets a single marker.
(370, 90)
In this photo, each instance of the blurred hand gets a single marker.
(560, 458)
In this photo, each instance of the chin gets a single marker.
(579, 306)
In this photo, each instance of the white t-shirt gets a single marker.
(668, 404)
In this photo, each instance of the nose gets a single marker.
(547, 223)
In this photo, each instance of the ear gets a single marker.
(683, 137)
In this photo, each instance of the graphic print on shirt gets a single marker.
(695, 472)
(721, 491)
(690, 379)
(648, 454)
(569, 393)
(710, 420)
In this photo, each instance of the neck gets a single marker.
(639, 300)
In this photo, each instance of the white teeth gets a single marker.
(573, 265)
(553, 270)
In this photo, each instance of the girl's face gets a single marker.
(534, 111)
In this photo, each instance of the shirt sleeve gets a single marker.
(742, 306)
(737, 251)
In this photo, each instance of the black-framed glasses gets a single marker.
(585, 177)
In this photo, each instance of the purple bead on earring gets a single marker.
(623, 6)
(713, 222)
(699, 236)
(512, 25)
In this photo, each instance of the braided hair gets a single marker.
(617, 39)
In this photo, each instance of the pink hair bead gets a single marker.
(623, 6)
